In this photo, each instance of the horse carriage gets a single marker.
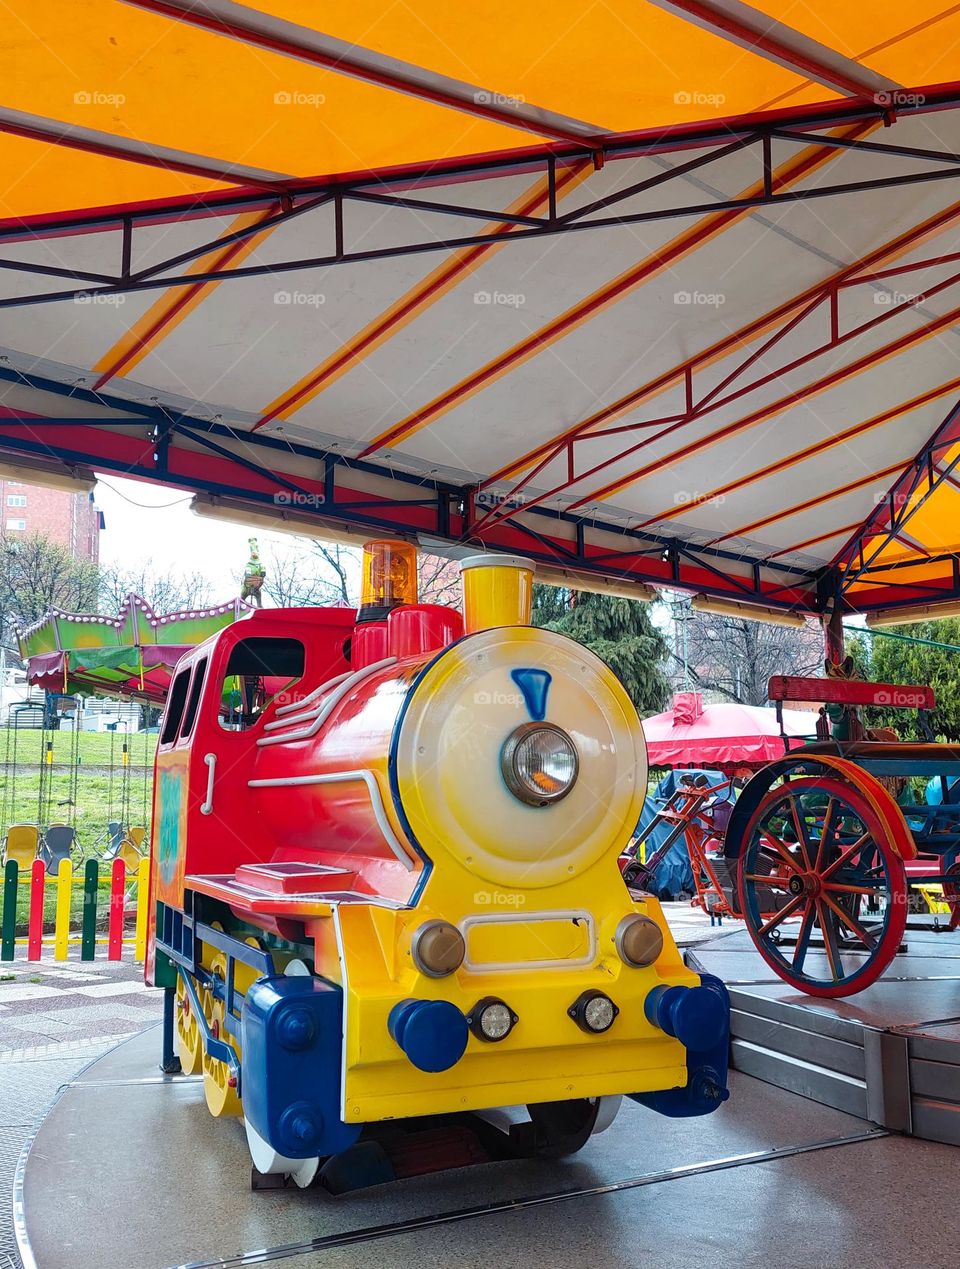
(825, 844)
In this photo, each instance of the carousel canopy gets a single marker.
(132, 654)
(664, 292)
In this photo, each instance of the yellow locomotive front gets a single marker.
(425, 913)
(518, 770)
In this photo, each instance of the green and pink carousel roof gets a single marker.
(132, 654)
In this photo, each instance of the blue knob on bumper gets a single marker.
(432, 1033)
(695, 1015)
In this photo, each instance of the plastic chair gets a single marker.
(22, 841)
(58, 843)
(137, 835)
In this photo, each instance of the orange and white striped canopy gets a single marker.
(662, 291)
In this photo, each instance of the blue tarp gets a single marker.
(934, 791)
(672, 877)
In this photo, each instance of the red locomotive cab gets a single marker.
(207, 820)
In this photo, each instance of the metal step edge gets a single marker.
(800, 1042)
(805, 1017)
(842, 1092)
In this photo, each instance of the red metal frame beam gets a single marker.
(696, 411)
(923, 467)
(538, 459)
(131, 453)
(664, 140)
(809, 504)
(262, 30)
(831, 380)
(710, 226)
(170, 308)
(802, 455)
(418, 298)
(798, 547)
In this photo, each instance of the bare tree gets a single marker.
(164, 591)
(36, 575)
(438, 581)
(343, 563)
(735, 658)
(306, 573)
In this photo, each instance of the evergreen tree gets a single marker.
(619, 631)
(892, 661)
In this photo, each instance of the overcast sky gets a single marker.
(154, 522)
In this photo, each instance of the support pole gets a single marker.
(169, 1062)
(832, 621)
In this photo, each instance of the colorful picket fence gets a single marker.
(124, 900)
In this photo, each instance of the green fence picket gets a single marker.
(8, 928)
(88, 929)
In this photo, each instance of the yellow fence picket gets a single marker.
(143, 886)
(61, 930)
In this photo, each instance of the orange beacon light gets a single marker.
(389, 577)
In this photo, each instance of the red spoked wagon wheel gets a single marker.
(818, 855)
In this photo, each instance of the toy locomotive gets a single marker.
(384, 877)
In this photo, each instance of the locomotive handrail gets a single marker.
(206, 806)
(849, 692)
(311, 696)
(329, 705)
(332, 777)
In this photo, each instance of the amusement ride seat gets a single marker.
(22, 841)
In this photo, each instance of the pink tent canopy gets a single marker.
(697, 735)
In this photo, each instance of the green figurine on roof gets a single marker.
(253, 576)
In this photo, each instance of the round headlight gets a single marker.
(639, 940)
(593, 1012)
(438, 949)
(491, 1019)
(539, 763)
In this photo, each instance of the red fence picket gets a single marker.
(38, 876)
(115, 928)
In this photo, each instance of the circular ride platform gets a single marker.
(128, 1169)
(889, 1054)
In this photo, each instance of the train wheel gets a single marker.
(267, 1161)
(562, 1128)
(188, 1037)
(817, 853)
(219, 1085)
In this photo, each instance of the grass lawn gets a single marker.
(99, 794)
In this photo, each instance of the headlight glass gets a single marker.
(539, 763)
(491, 1019)
(593, 1012)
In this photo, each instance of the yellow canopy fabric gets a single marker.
(354, 229)
(143, 77)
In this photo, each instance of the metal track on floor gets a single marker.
(373, 1233)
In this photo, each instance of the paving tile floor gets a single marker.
(57, 1017)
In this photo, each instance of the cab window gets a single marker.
(258, 671)
(175, 704)
(196, 688)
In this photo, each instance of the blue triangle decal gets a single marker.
(534, 684)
